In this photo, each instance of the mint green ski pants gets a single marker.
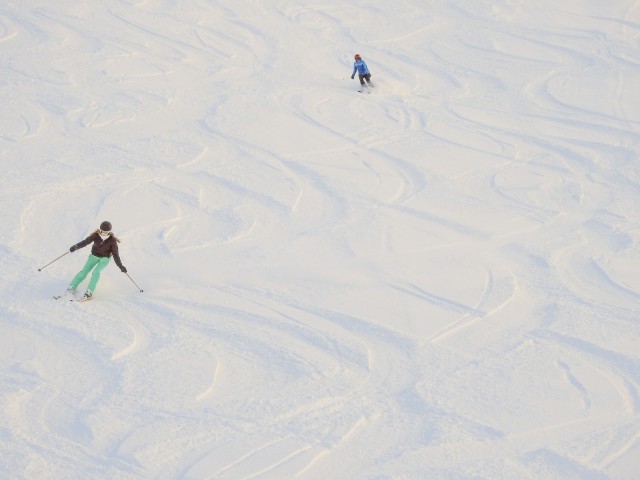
(99, 263)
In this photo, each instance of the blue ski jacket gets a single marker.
(360, 67)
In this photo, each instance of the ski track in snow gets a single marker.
(434, 280)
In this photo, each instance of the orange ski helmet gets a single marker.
(357, 57)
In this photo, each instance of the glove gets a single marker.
(352, 76)
(123, 269)
(73, 248)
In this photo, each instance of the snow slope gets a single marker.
(436, 280)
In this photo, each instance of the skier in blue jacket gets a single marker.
(362, 69)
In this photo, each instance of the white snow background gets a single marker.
(438, 279)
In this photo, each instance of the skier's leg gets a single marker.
(82, 274)
(95, 276)
(368, 78)
(361, 77)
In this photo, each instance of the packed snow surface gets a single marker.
(438, 278)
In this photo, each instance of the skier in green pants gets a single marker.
(105, 244)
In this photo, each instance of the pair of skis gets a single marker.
(72, 298)
(366, 88)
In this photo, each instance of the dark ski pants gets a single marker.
(366, 76)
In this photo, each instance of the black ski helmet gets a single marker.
(105, 226)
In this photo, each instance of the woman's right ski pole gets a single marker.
(134, 282)
(42, 268)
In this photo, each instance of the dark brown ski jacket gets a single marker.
(102, 248)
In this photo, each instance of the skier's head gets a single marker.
(357, 57)
(105, 228)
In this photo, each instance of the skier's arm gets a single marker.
(82, 244)
(355, 69)
(116, 257)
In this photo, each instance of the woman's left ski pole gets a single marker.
(134, 282)
(42, 268)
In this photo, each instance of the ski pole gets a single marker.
(134, 282)
(42, 268)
